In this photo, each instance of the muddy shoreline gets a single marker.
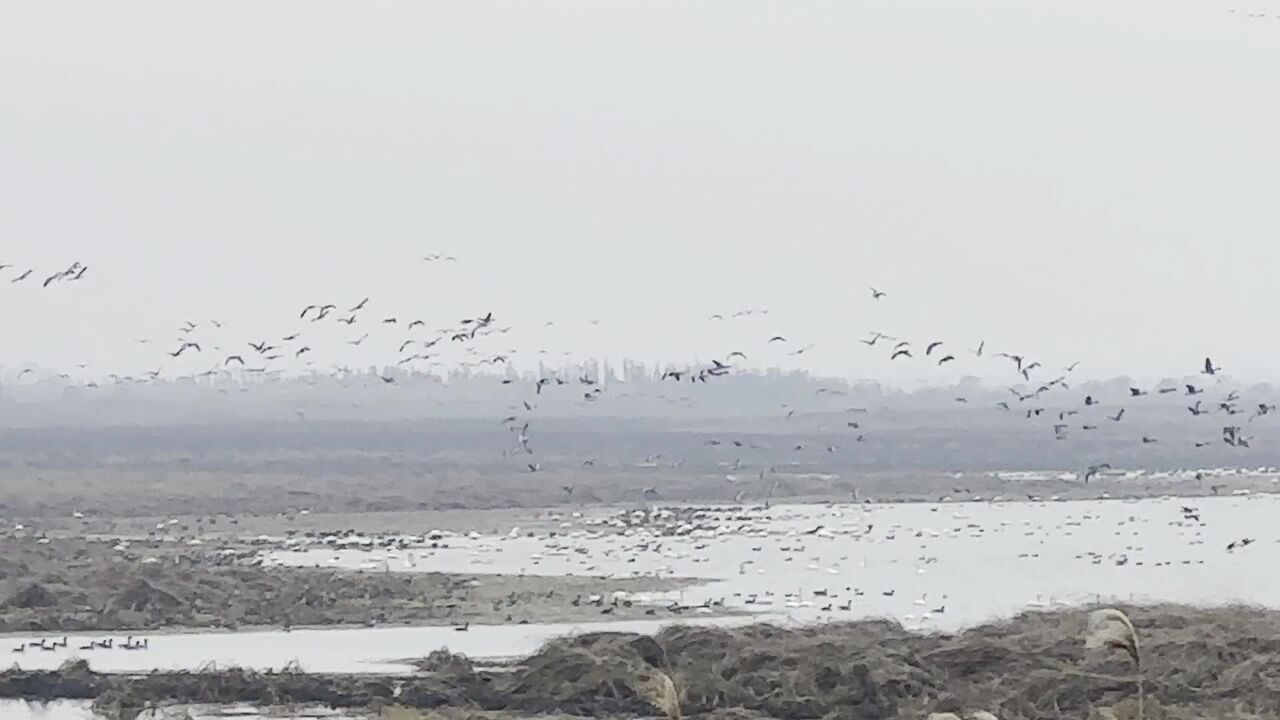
(1197, 663)
(125, 500)
(64, 586)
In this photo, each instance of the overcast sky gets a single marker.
(1080, 180)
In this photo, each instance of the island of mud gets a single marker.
(64, 585)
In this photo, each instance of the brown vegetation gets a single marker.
(1222, 663)
(73, 585)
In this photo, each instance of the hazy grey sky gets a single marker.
(1073, 180)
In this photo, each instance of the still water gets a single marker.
(346, 650)
(931, 566)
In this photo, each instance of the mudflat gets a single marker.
(68, 585)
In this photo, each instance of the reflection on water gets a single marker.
(931, 566)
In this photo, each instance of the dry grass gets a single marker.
(1196, 663)
(1111, 628)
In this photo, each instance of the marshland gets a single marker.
(555, 359)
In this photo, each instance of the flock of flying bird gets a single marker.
(1033, 383)
(72, 273)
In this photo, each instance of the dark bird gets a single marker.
(1148, 440)
(1193, 390)
(777, 338)
(900, 353)
(946, 358)
(1135, 392)
(301, 350)
(981, 344)
(22, 277)
(1117, 416)
(387, 380)
(1209, 369)
(929, 350)
(1093, 470)
(1017, 359)
(359, 306)
(876, 294)
(184, 347)
(235, 358)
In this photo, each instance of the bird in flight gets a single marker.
(777, 338)
(946, 358)
(929, 350)
(185, 346)
(876, 294)
(1117, 416)
(1209, 369)
(900, 353)
(359, 306)
(22, 277)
